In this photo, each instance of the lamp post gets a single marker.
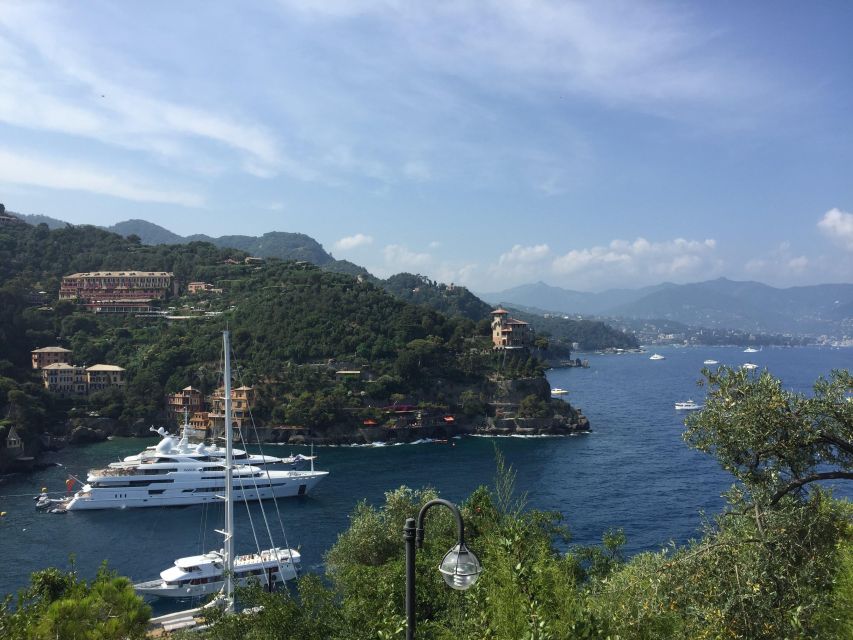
(460, 568)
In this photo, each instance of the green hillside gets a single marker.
(292, 325)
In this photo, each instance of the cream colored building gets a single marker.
(50, 355)
(103, 376)
(65, 379)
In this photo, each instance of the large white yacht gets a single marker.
(657, 356)
(204, 574)
(167, 481)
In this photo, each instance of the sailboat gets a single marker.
(219, 571)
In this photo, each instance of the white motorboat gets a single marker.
(749, 366)
(710, 362)
(690, 405)
(657, 356)
(220, 571)
(557, 391)
(750, 350)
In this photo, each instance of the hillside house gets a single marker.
(509, 333)
(50, 355)
(187, 399)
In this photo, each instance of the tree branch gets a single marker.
(838, 442)
(796, 484)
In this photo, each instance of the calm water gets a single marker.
(632, 471)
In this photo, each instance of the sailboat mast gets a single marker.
(229, 482)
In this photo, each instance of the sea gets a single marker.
(632, 471)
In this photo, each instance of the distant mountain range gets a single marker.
(275, 244)
(722, 303)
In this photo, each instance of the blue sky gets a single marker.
(488, 143)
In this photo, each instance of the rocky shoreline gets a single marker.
(503, 417)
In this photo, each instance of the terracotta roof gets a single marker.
(101, 274)
(499, 310)
(514, 321)
(60, 365)
(51, 350)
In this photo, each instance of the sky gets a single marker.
(487, 143)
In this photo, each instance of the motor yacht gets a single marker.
(690, 405)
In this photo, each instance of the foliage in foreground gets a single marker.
(60, 605)
(777, 563)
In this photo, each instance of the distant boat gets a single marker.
(710, 362)
(556, 391)
(749, 366)
(657, 356)
(750, 350)
(687, 406)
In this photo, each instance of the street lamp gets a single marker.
(460, 568)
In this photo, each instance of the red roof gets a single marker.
(499, 310)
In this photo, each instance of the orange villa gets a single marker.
(509, 333)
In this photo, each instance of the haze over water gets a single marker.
(632, 471)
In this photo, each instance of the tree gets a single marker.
(774, 441)
(60, 605)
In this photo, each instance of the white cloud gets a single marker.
(17, 168)
(400, 258)
(520, 253)
(781, 265)
(798, 264)
(838, 225)
(351, 242)
(638, 260)
(629, 52)
(59, 88)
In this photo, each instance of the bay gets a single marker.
(632, 471)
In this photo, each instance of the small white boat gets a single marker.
(750, 350)
(556, 391)
(749, 366)
(687, 406)
(709, 362)
(657, 356)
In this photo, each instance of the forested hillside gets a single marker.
(451, 300)
(292, 324)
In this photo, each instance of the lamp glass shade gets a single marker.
(460, 568)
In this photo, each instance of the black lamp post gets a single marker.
(460, 568)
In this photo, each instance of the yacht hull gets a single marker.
(136, 497)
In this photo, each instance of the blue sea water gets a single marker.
(632, 471)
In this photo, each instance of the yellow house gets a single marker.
(65, 379)
(102, 376)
